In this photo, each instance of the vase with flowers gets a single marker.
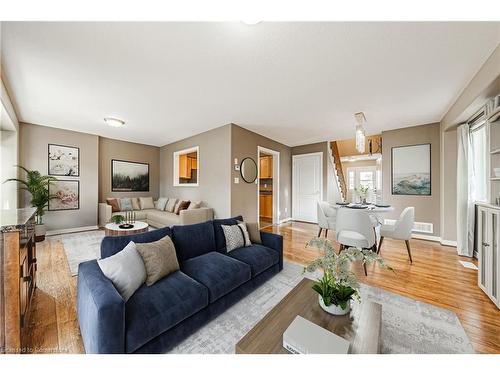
(338, 285)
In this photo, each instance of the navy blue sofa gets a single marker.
(158, 317)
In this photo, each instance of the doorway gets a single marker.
(307, 186)
(268, 186)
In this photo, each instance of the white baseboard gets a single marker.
(285, 220)
(434, 239)
(71, 230)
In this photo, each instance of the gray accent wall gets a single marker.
(449, 149)
(214, 170)
(244, 143)
(427, 208)
(33, 141)
(114, 149)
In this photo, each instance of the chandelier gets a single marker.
(360, 132)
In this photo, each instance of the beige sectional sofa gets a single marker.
(159, 218)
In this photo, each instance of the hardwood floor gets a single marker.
(435, 277)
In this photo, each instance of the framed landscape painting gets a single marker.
(64, 160)
(67, 195)
(129, 176)
(411, 170)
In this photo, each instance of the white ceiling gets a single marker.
(293, 82)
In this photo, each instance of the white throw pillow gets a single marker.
(146, 203)
(194, 205)
(171, 205)
(125, 269)
(161, 203)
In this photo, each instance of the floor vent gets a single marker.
(417, 226)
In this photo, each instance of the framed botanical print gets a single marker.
(66, 195)
(411, 170)
(129, 176)
(63, 160)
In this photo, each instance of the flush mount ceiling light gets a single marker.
(360, 132)
(114, 122)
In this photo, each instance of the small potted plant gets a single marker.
(362, 192)
(38, 186)
(117, 219)
(339, 285)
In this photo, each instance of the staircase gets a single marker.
(338, 170)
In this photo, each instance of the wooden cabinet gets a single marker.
(487, 245)
(266, 206)
(19, 279)
(266, 167)
(186, 165)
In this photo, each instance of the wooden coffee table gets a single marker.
(112, 229)
(361, 327)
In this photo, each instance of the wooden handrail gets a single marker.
(338, 169)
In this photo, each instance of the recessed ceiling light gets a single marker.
(114, 122)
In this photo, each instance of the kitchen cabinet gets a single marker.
(266, 167)
(186, 165)
(487, 246)
(266, 206)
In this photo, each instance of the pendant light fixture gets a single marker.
(360, 132)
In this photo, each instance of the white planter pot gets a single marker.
(40, 232)
(334, 309)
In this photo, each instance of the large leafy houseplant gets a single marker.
(339, 285)
(38, 186)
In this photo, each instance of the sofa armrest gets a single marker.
(101, 311)
(104, 214)
(198, 215)
(275, 242)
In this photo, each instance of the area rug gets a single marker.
(408, 326)
(80, 247)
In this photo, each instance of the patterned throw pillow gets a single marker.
(161, 203)
(115, 205)
(244, 230)
(194, 205)
(126, 204)
(235, 237)
(159, 257)
(170, 205)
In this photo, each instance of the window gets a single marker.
(352, 180)
(479, 153)
(366, 179)
(186, 167)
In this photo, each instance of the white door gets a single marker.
(307, 187)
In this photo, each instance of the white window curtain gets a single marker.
(465, 193)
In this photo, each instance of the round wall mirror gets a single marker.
(248, 170)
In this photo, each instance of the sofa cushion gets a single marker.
(193, 240)
(135, 204)
(220, 239)
(155, 309)
(146, 203)
(114, 203)
(126, 204)
(112, 245)
(159, 258)
(162, 218)
(219, 273)
(258, 257)
(161, 203)
(170, 204)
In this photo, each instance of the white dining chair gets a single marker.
(354, 229)
(326, 217)
(400, 230)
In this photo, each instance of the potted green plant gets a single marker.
(362, 192)
(117, 219)
(339, 285)
(38, 186)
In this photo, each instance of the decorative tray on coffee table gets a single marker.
(126, 226)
